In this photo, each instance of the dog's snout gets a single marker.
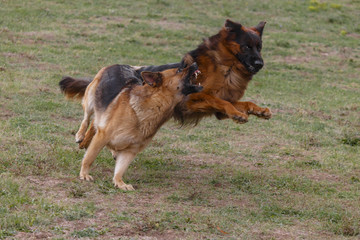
(258, 64)
(194, 66)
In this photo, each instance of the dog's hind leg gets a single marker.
(88, 136)
(88, 104)
(123, 160)
(88, 112)
(97, 143)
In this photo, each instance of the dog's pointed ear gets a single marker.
(154, 79)
(185, 62)
(260, 27)
(230, 25)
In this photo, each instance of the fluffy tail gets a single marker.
(73, 87)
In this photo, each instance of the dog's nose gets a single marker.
(258, 64)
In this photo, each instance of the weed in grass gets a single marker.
(283, 44)
(58, 230)
(123, 216)
(88, 232)
(354, 179)
(351, 140)
(247, 182)
(77, 192)
(78, 212)
(276, 213)
(312, 164)
(174, 198)
(107, 187)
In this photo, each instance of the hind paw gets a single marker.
(79, 137)
(123, 186)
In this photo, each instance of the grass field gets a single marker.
(296, 176)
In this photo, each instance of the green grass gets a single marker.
(294, 176)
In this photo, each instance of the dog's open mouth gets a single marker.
(190, 85)
(193, 74)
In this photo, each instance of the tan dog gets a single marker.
(127, 122)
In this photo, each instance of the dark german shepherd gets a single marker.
(127, 121)
(227, 61)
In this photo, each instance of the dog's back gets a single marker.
(113, 80)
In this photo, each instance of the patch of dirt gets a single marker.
(296, 59)
(116, 19)
(24, 56)
(354, 35)
(47, 36)
(169, 24)
(34, 235)
(5, 113)
(322, 176)
(319, 114)
(298, 231)
(29, 61)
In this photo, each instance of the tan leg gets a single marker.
(201, 102)
(123, 160)
(98, 142)
(247, 108)
(88, 136)
(84, 125)
(252, 108)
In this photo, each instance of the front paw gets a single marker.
(240, 118)
(86, 176)
(264, 113)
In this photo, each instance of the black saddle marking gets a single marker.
(116, 77)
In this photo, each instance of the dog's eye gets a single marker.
(246, 47)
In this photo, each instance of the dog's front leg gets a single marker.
(252, 108)
(201, 102)
(123, 160)
(98, 142)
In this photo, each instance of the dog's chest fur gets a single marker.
(139, 113)
(234, 84)
(152, 110)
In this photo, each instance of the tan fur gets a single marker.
(88, 103)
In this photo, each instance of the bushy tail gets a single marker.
(73, 87)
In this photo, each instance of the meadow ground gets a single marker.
(296, 176)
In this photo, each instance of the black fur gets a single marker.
(249, 56)
(113, 80)
(74, 87)
(159, 68)
(116, 77)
